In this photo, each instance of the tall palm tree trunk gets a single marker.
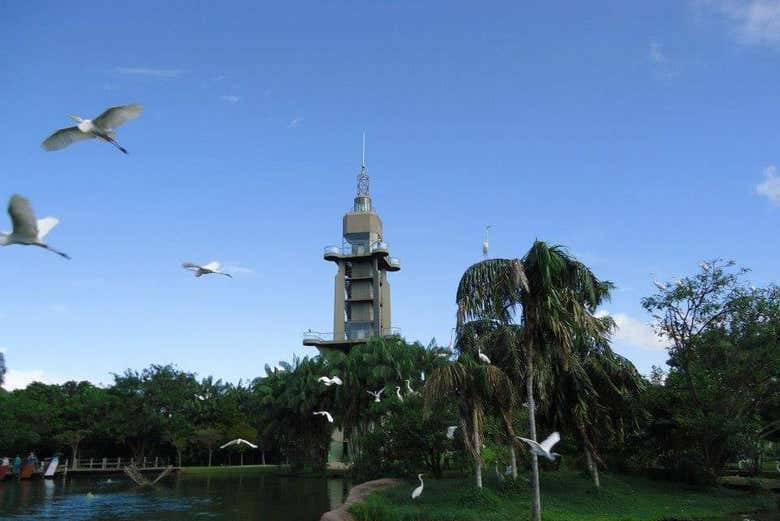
(529, 382)
(593, 468)
(513, 457)
(477, 445)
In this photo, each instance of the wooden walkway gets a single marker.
(86, 466)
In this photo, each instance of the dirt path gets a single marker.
(356, 494)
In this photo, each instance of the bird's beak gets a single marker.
(74, 118)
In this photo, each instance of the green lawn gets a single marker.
(230, 469)
(566, 496)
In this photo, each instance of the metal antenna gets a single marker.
(362, 180)
(486, 243)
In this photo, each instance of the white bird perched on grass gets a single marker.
(398, 393)
(102, 127)
(28, 231)
(237, 442)
(451, 431)
(330, 381)
(377, 394)
(543, 449)
(212, 268)
(326, 414)
(419, 490)
(409, 388)
(482, 356)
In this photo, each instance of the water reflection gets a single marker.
(248, 496)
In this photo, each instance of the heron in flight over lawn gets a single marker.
(28, 231)
(212, 268)
(330, 381)
(102, 127)
(237, 442)
(543, 449)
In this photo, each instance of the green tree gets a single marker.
(473, 386)
(556, 296)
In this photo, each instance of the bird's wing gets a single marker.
(228, 444)
(189, 265)
(64, 137)
(323, 379)
(116, 116)
(551, 440)
(212, 266)
(336, 380)
(46, 225)
(530, 442)
(329, 417)
(22, 217)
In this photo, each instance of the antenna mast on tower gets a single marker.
(362, 179)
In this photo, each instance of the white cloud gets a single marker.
(770, 188)
(633, 332)
(147, 71)
(295, 122)
(656, 53)
(230, 99)
(754, 22)
(659, 60)
(15, 379)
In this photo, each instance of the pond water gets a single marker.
(221, 497)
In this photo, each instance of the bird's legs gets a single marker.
(61, 254)
(106, 137)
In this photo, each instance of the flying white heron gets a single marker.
(419, 490)
(398, 393)
(451, 431)
(543, 449)
(212, 268)
(377, 394)
(326, 414)
(483, 357)
(237, 442)
(102, 127)
(330, 381)
(28, 231)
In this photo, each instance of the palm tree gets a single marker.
(556, 295)
(474, 386)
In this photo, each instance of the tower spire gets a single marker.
(362, 180)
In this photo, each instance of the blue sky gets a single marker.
(643, 137)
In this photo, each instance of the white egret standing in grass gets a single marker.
(326, 414)
(419, 490)
(409, 388)
(482, 356)
(212, 268)
(330, 381)
(28, 231)
(102, 127)
(543, 449)
(376, 394)
(398, 393)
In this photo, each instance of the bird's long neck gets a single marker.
(419, 476)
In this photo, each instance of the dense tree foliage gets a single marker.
(719, 399)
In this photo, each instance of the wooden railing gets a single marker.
(117, 463)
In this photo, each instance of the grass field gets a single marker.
(566, 496)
